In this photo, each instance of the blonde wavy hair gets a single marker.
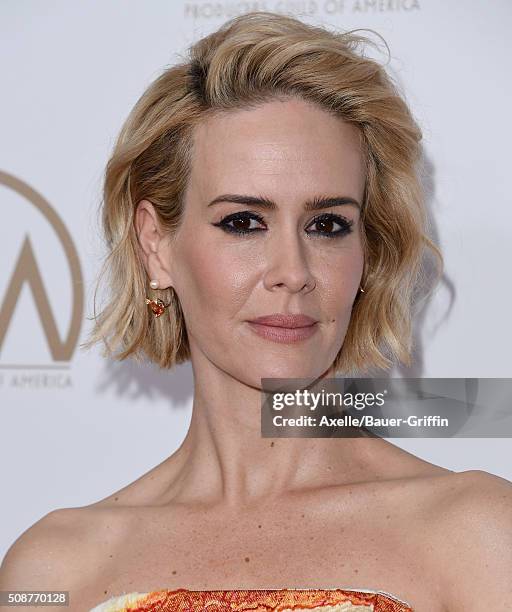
(252, 59)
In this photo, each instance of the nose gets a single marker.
(287, 264)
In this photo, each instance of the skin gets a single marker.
(230, 509)
(290, 152)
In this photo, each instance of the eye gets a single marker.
(327, 222)
(240, 223)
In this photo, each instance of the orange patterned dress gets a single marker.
(255, 600)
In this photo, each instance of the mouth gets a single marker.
(285, 328)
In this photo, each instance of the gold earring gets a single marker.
(157, 306)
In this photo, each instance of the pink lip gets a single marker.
(284, 328)
(285, 320)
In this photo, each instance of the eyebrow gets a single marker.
(316, 203)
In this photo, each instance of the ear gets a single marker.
(153, 244)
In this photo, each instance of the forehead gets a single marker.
(290, 146)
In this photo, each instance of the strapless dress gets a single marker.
(256, 600)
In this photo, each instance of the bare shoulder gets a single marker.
(453, 501)
(480, 487)
(474, 494)
(38, 550)
(61, 551)
(45, 557)
(471, 527)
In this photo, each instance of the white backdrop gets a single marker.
(76, 427)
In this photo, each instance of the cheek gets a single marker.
(340, 284)
(210, 279)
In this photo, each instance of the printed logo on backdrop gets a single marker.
(210, 9)
(41, 291)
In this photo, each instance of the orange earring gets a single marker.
(157, 306)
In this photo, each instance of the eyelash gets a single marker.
(346, 225)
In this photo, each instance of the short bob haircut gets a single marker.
(252, 59)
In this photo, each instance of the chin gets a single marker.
(286, 370)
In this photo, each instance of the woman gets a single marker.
(265, 220)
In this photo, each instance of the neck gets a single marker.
(224, 460)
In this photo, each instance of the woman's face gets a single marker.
(231, 262)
